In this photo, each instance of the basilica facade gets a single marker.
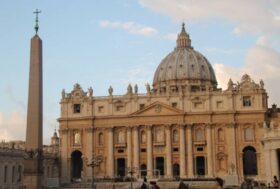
(182, 127)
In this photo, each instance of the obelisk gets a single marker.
(34, 148)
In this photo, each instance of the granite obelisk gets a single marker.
(34, 147)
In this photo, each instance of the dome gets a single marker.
(184, 67)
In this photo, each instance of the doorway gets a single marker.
(76, 164)
(249, 161)
(278, 158)
(160, 165)
(121, 167)
(200, 165)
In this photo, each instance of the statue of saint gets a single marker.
(148, 88)
(110, 90)
(77, 138)
(90, 91)
(63, 94)
(129, 89)
(136, 89)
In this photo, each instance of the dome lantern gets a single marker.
(183, 40)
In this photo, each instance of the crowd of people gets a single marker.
(246, 184)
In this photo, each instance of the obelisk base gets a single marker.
(33, 174)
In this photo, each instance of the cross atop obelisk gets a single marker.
(37, 20)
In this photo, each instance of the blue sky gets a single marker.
(102, 43)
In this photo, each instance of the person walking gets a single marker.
(182, 185)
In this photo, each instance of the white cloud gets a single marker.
(253, 16)
(131, 27)
(171, 36)
(261, 63)
(13, 126)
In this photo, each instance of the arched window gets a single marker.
(13, 174)
(176, 170)
(19, 173)
(143, 170)
(100, 139)
(5, 173)
(175, 136)
(143, 137)
(250, 161)
(199, 134)
(249, 133)
(221, 135)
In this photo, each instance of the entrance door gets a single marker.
(160, 165)
(121, 167)
(77, 164)
(250, 161)
(200, 165)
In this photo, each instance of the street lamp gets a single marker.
(94, 162)
(131, 171)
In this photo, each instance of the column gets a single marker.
(209, 151)
(183, 152)
(129, 147)
(274, 163)
(65, 167)
(168, 152)
(110, 156)
(231, 146)
(89, 152)
(149, 152)
(189, 151)
(135, 146)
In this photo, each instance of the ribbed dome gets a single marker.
(184, 66)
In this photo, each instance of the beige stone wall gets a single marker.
(213, 124)
(11, 168)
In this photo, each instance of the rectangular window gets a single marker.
(199, 149)
(120, 108)
(174, 104)
(100, 109)
(120, 151)
(13, 174)
(219, 104)
(198, 105)
(175, 149)
(246, 101)
(77, 108)
(143, 150)
(141, 106)
(5, 173)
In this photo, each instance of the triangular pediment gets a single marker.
(158, 108)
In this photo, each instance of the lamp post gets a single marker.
(131, 171)
(94, 162)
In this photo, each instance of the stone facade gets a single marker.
(12, 156)
(11, 168)
(183, 126)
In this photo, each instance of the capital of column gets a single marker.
(135, 127)
(89, 129)
(189, 126)
(110, 128)
(209, 125)
(149, 127)
(168, 126)
(182, 126)
(232, 125)
(64, 131)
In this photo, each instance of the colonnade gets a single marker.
(186, 154)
